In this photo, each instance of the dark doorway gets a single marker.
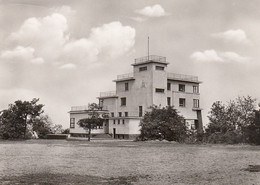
(114, 133)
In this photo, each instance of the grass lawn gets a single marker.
(125, 162)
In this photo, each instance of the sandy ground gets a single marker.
(124, 162)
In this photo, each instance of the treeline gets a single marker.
(25, 119)
(238, 121)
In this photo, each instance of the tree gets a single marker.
(163, 123)
(14, 120)
(42, 125)
(229, 123)
(93, 120)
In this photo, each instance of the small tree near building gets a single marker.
(163, 123)
(94, 120)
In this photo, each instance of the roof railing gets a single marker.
(154, 58)
(107, 94)
(125, 76)
(182, 77)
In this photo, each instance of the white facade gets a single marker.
(149, 84)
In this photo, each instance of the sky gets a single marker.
(66, 52)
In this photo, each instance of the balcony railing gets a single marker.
(107, 94)
(85, 108)
(125, 76)
(154, 58)
(182, 77)
(79, 108)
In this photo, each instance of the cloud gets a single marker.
(49, 38)
(237, 36)
(232, 56)
(213, 56)
(22, 54)
(46, 35)
(113, 39)
(206, 56)
(152, 11)
(68, 66)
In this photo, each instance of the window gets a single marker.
(123, 101)
(168, 86)
(159, 90)
(159, 68)
(182, 102)
(196, 103)
(169, 101)
(143, 68)
(72, 122)
(112, 114)
(114, 121)
(118, 121)
(123, 121)
(196, 89)
(140, 111)
(120, 114)
(126, 86)
(126, 114)
(182, 87)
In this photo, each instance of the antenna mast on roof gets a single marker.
(148, 48)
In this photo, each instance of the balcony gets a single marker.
(108, 94)
(125, 76)
(181, 77)
(85, 108)
(154, 58)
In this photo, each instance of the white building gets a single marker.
(149, 84)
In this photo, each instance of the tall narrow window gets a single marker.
(140, 111)
(123, 121)
(168, 86)
(196, 103)
(123, 101)
(182, 102)
(126, 86)
(72, 122)
(112, 114)
(118, 121)
(182, 87)
(126, 114)
(195, 89)
(119, 114)
(169, 101)
(114, 121)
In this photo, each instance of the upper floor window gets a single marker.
(159, 90)
(159, 68)
(118, 121)
(123, 121)
(126, 114)
(182, 102)
(195, 89)
(182, 87)
(112, 114)
(196, 103)
(143, 68)
(126, 86)
(120, 114)
(114, 121)
(168, 86)
(123, 101)
(72, 122)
